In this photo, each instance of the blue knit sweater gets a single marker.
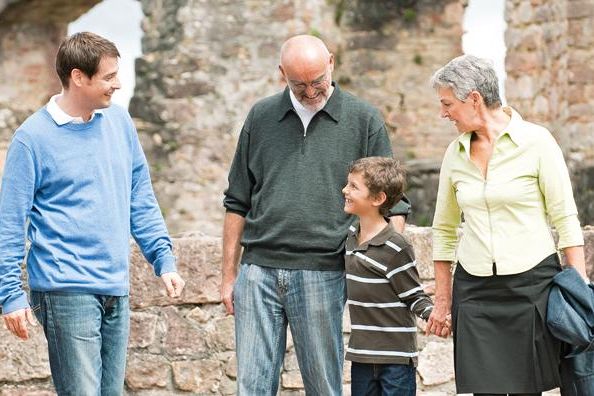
(78, 191)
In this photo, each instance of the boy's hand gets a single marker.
(174, 284)
(16, 322)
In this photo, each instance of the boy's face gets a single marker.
(357, 199)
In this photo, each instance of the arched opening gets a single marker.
(484, 29)
(118, 21)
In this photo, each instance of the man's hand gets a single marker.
(16, 322)
(227, 294)
(174, 284)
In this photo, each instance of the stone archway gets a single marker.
(30, 32)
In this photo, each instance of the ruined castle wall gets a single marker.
(205, 64)
(550, 58)
(187, 345)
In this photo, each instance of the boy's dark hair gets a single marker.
(82, 51)
(382, 174)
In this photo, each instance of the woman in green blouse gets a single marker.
(507, 180)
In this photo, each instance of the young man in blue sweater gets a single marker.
(77, 183)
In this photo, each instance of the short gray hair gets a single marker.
(468, 73)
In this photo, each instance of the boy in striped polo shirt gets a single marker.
(383, 288)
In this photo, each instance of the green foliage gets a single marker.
(314, 32)
(372, 14)
(409, 15)
(418, 59)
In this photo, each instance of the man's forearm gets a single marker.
(232, 232)
(398, 222)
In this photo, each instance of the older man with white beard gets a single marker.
(284, 206)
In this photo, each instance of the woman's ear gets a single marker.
(476, 98)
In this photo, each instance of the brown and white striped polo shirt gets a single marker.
(384, 295)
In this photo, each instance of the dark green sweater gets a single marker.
(288, 185)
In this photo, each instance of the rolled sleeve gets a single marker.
(447, 216)
(555, 185)
(238, 194)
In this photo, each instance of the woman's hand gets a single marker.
(440, 320)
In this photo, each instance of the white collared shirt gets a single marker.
(304, 113)
(60, 116)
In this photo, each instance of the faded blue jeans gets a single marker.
(266, 300)
(87, 339)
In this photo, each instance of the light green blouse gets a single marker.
(507, 215)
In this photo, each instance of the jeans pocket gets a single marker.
(37, 306)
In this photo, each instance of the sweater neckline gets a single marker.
(75, 126)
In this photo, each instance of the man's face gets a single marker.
(310, 83)
(99, 88)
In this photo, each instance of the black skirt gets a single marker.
(501, 340)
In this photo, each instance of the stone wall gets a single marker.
(194, 88)
(551, 79)
(186, 346)
(30, 32)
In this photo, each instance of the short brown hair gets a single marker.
(82, 51)
(382, 175)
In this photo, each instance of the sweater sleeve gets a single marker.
(238, 195)
(146, 221)
(404, 278)
(16, 199)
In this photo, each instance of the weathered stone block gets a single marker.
(221, 335)
(11, 390)
(183, 336)
(145, 371)
(143, 328)
(292, 380)
(231, 366)
(23, 360)
(436, 363)
(200, 376)
(580, 9)
(198, 262)
(420, 238)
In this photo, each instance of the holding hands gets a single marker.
(440, 320)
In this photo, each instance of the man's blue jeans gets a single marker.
(311, 303)
(383, 379)
(87, 339)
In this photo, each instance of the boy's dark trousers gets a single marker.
(368, 379)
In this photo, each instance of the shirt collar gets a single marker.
(332, 107)
(514, 130)
(380, 239)
(61, 117)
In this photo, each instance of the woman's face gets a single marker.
(461, 113)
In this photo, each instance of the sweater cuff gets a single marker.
(164, 264)
(402, 208)
(15, 303)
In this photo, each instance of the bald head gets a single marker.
(303, 50)
(307, 65)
